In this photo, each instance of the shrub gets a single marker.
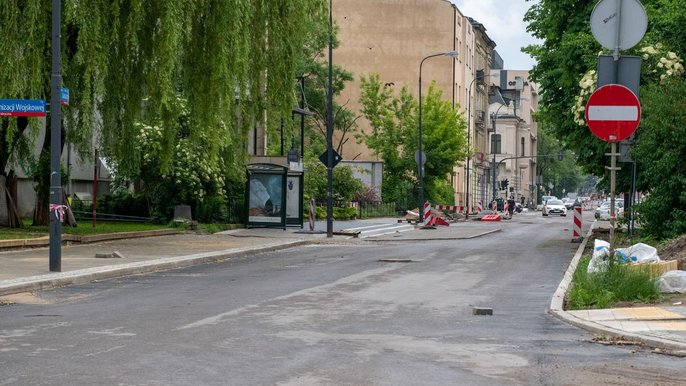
(124, 203)
(603, 289)
(212, 209)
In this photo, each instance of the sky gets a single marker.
(504, 22)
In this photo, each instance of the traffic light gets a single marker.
(504, 184)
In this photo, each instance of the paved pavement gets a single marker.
(26, 270)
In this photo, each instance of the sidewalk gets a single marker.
(656, 327)
(27, 270)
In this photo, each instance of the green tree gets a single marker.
(566, 60)
(314, 68)
(394, 137)
(563, 174)
(346, 186)
(663, 213)
(126, 61)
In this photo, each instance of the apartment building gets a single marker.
(391, 38)
(513, 140)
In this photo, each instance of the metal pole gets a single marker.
(420, 158)
(329, 132)
(420, 163)
(632, 197)
(613, 155)
(613, 183)
(469, 135)
(55, 141)
(95, 187)
(302, 118)
(494, 119)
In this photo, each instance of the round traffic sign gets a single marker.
(632, 23)
(417, 157)
(613, 113)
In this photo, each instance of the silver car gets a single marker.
(603, 211)
(554, 206)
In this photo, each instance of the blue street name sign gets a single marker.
(64, 96)
(22, 107)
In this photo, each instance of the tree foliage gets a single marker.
(394, 138)
(663, 213)
(562, 174)
(346, 186)
(127, 61)
(566, 59)
(313, 67)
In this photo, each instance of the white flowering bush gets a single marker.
(587, 86)
(661, 63)
(191, 175)
(658, 65)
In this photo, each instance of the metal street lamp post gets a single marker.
(469, 125)
(494, 118)
(420, 155)
(329, 132)
(55, 135)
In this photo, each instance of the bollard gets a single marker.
(312, 215)
(576, 235)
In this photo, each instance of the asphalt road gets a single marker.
(329, 314)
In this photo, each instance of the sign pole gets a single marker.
(613, 149)
(55, 142)
(613, 185)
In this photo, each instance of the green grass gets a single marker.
(83, 228)
(604, 289)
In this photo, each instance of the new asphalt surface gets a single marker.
(27, 269)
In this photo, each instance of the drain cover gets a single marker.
(482, 311)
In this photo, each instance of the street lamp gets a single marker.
(494, 118)
(479, 75)
(420, 158)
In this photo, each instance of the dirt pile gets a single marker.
(674, 250)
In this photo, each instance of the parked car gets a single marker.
(554, 206)
(603, 211)
(569, 202)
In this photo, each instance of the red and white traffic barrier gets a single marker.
(311, 215)
(454, 208)
(577, 223)
(427, 213)
(479, 206)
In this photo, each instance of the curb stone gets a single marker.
(87, 275)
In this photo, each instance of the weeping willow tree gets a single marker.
(127, 61)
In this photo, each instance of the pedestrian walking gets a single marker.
(511, 203)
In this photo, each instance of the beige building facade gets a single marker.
(391, 38)
(513, 143)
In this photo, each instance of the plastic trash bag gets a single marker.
(639, 253)
(601, 250)
(673, 281)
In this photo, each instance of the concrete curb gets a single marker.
(44, 241)
(436, 238)
(82, 276)
(557, 310)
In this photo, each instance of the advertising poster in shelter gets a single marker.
(266, 198)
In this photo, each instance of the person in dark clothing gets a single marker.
(511, 204)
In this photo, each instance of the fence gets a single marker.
(369, 209)
(234, 212)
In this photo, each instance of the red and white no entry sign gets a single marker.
(613, 113)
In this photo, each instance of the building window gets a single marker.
(522, 152)
(495, 144)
